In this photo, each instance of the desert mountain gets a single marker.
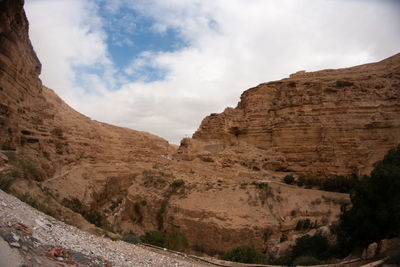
(220, 189)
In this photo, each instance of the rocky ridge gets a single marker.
(324, 123)
(221, 189)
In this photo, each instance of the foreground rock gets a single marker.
(37, 239)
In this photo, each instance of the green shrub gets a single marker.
(245, 254)
(305, 260)
(33, 202)
(153, 179)
(309, 182)
(30, 170)
(173, 241)
(303, 224)
(289, 179)
(375, 211)
(155, 238)
(174, 186)
(177, 183)
(130, 238)
(340, 184)
(89, 214)
(6, 181)
(314, 246)
(74, 204)
(176, 241)
(115, 204)
(160, 214)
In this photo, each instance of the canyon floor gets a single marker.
(31, 238)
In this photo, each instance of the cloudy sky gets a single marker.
(163, 65)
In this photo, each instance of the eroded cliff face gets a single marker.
(221, 189)
(330, 122)
(68, 154)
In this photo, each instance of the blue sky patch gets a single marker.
(129, 34)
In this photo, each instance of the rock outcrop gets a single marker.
(330, 122)
(221, 189)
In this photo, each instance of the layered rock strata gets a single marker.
(330, 122)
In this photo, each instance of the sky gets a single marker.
(161, 66)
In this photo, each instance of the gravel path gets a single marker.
(40, 240)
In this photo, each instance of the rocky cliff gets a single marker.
(45, 139)
(330, 122)
(221, 189)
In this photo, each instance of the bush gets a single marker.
(303, 224)
(309, 181)
(177, 183)
(176, 241)
(154, 238)
(173, 241)
(375, 212)
(315, 246)
(305, 260)
(174, 186)
(6, 181)
(89, 214)
(340, 184)
(245, 254)
(289, 179)
(130, 238)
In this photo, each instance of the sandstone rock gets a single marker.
(387, 245)
(15, 244)
(370, 252)
(321, 123)
(3, 157)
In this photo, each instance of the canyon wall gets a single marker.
(330, 122)
(221, 189)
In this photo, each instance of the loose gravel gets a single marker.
(41, 240)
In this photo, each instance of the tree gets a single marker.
(375, 211)
(244, 254)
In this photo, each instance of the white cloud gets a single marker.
(231, 45)
(68, 38)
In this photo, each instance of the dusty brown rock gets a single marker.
(330, 122)
(370, 252)
(221, 189)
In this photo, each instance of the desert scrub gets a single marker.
(317, 201)
(174, 241)
(115, 204)
(340, 184)
(130, 238)
(7, 178)
(88, 213)
(264, 191)
(153, 179)
(175, 186)
(303, 224)
(245, 254)
(24, 168)
(33, 202)
(160, 214)
(309, 182)
(289, 179)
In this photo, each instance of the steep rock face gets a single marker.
(68, 152)
(330, 122)
(220, 190)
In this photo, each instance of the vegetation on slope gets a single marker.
(375, 211)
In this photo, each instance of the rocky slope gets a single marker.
(35, 239)
(221, 189)
(330, 122)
